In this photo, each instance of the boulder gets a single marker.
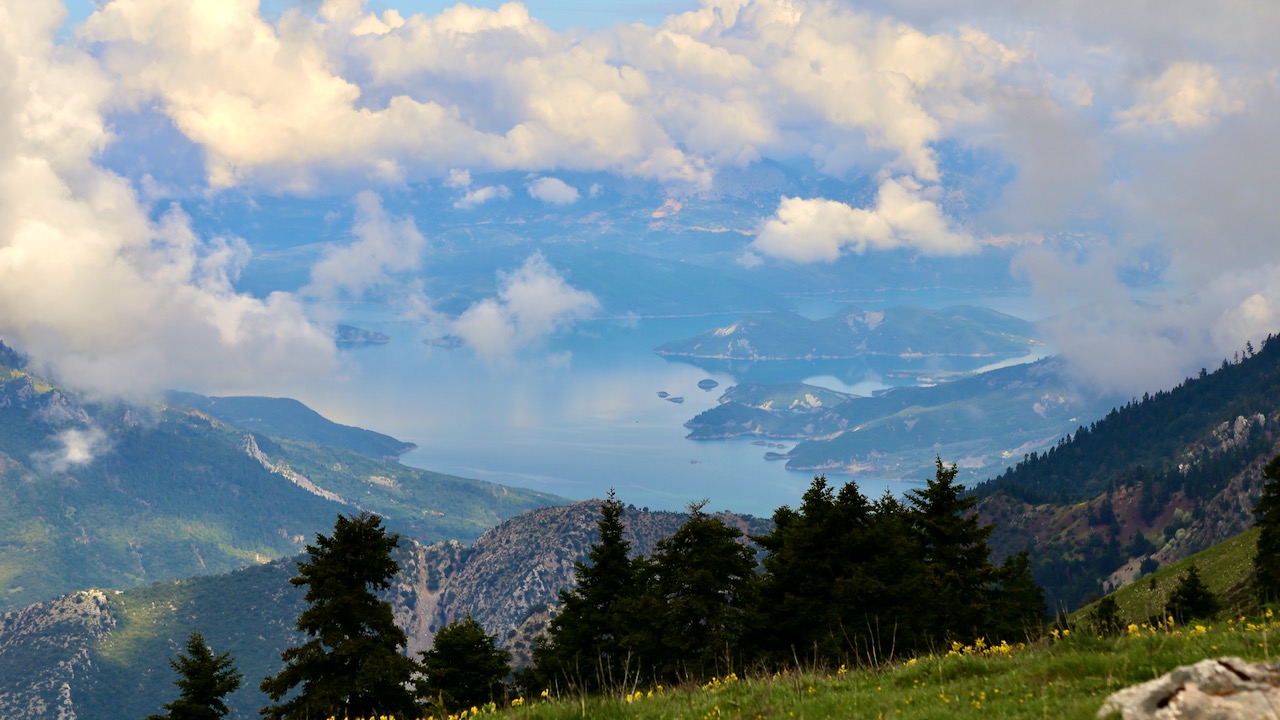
(1208, 690)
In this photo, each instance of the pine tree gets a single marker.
(956, 555)
(352, 666)
(1266, 562)
(586, 640)
(204, 679)
(464, 667)
(699, 586)
(816, 590)
(1192, 599)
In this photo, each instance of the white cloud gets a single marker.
(384, 247)
(810, 230)
(481, 195)
(1186, 95)
(532, 302)
(90, 286)
(553, 191)
(77, 447)
(393, 97)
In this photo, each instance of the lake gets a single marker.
(575, 418)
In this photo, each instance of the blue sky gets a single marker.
(1124, 137)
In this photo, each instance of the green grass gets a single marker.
(1064, 677)
(1225, 569)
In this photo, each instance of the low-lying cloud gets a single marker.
(532, 302)
(77, 447)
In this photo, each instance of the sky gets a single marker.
(1137, 137)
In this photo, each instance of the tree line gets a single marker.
(839, 579)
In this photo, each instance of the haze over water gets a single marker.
(584, 418)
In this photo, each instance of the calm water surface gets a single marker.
(574, 418)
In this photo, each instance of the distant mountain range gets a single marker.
(984, 422)
(901, 331)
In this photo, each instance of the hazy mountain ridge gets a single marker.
(288, 418)
(983, 422)
(114, 496)
(903, 330)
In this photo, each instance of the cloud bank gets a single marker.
(1146, 137)
(90, 285)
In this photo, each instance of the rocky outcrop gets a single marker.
(1223, 688)
(250, 447)
(60, 634)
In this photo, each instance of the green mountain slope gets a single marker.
(288, 418)
(1150, 483)
(984, 423)
(115, 496)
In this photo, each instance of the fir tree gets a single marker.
(699, 586)
(818, 591)
(1266, 562)
(464, 667)
(956, 556)
(586, 640)
(204, 679)
(1192, 599)
(352, 666)
(1018, 610)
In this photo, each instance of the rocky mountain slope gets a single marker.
(103, 655)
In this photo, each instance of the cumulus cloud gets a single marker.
(384, 247)
(396, 96)
(90, 285)
(1186, 95)
(532, 302)
(1059, 102)
(553, 191)
(810, 230)
(475, 197)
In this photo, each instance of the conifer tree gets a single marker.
(464, 667)
(586, 640)
(1105, 617)
(816, 589)
(1192, 599)
(1266, 562)
(699, 586)
(956, 556)
(1018, 610)
(204, 679)
(352, 664)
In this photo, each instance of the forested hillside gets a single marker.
(1153, 481)
(113, 496)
